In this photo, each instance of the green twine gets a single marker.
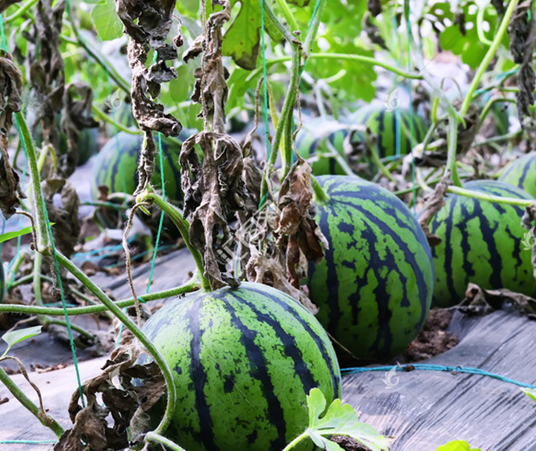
(28, 442)
(450, 369)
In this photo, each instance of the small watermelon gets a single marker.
(312, 144)
(374, 287)
(522, 173)
(116, 166)
(481, 244)
(87, 145)
(383, 123)
(243, 362)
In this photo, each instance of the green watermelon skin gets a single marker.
(374, 286)
(522, 173)
(311, 143)
(116, 166)
(87, 145)
(243, 362)
(383, 123)
(481, 244)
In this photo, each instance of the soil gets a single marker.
(348, 443)
(433, 339)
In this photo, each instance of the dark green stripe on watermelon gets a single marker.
(116, 166)
(522, 173)
(243, 362)
(374, 287)
(481, 244)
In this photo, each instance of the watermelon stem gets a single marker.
(152, 437)
(492, 51)
(42, 416)
(188, 287)
(489, 197)
(321, 197)
(184, 228)
(452, 140)
(297, 440)
(136, 331)
(43, 241)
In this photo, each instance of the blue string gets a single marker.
(450, 369)
(28, 442)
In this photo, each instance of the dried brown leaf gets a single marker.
(434, 202)
(482, 302)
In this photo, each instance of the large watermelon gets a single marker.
(481, 244)
(116, 166)
(374, 287)
(243, 362)
(522, 173)
(383, 123)
(312, 144)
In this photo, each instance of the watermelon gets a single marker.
(243, 361)
(311, 143)
(116, 166)
(522, 173)
(481, 244)
(374, 287)
(87, 145)
(382, 122)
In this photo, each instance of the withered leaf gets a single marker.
(212, 191)
(11, 90)
(296, 220)
(434, 202)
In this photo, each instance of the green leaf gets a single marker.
(530, 392)
(457, 445)
(11, 235)
(17, 336)
(338, 420)
(243, 37)
(106, 21)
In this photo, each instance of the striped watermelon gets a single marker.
(522, 173)
(383, 122)
(312, 145)
(374, 287)
(243, 362)
(87, 145)
(481, 244)
(116, 166)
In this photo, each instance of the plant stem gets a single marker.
(321, 197)
(20, 11)
(492, 51)
(452, 147)
(273, 18)
(152, 437)
(313, 30)
(289, 17)
(155, 353)
(286, 112)
(497, 139)
(297, 440)
(37, 278)
(53, 311)
(184, 229)
(74, 327)
(108, 119)
(340, 56)
(43, 241)
(489, 197)
(45, 419)
(488, 106)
